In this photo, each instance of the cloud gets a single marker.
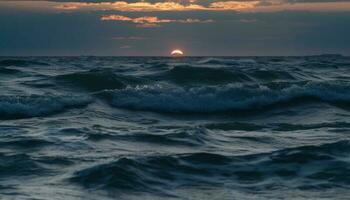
(233, 5)
(202, 2)
(182, 5)
(143, 6)
(150, 21)
(131, 7)
(67, 7)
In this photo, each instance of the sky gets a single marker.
(156, 27)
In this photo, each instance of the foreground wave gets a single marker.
(323, 166)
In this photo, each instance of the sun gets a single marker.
(177, 52)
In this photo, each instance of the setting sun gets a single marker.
(176, 52)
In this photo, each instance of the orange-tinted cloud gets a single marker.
(130, 7)
(218, 5)
(159, 6)
(150, 21)
(115, 18)
(182, 5)
(67, 7)
(233, 5)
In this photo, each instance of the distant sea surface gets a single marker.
(175, 128)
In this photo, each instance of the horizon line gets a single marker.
(169, 56)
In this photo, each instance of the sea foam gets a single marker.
(15, 106)
(204, 99)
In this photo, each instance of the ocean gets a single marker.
(175, 128)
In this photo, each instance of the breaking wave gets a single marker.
(206, 99)
(16, 106)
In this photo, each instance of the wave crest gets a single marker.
(13, 107)
(167, 98)
(227, 61)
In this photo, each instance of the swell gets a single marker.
(186, 74)
(179, 137)
(224, 98)
(21, 164)
(191, 74)
(243, 126)
(320, 166)
(271, 75)
(294, 127)
(15, 106)
(227, 61)
(18, 165)
(23, 142)
(21, 63)
(226, 126)
(8, 71)
(95, 80)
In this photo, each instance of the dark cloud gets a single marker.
(205, 2)
(210, 4)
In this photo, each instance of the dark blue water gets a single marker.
(175, 128)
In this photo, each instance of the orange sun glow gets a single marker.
(176, 52)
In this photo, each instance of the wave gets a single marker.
(180, 137)
(19, 165)
(226, 126)
(95, 80)
(271, 75)
(231, 97)
(243, 126)
(203, 75)
(25, 143)
(21, 63)
(8, 71)
(325, 165)
(14, 107)
(192, 74)
(227, 61)
(294, 127)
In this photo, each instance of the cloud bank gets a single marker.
(207, 5)
(150, 21)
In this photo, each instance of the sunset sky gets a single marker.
(154, 27)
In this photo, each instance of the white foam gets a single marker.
(38, 105)
(168, 98)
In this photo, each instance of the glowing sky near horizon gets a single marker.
(201, 27)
